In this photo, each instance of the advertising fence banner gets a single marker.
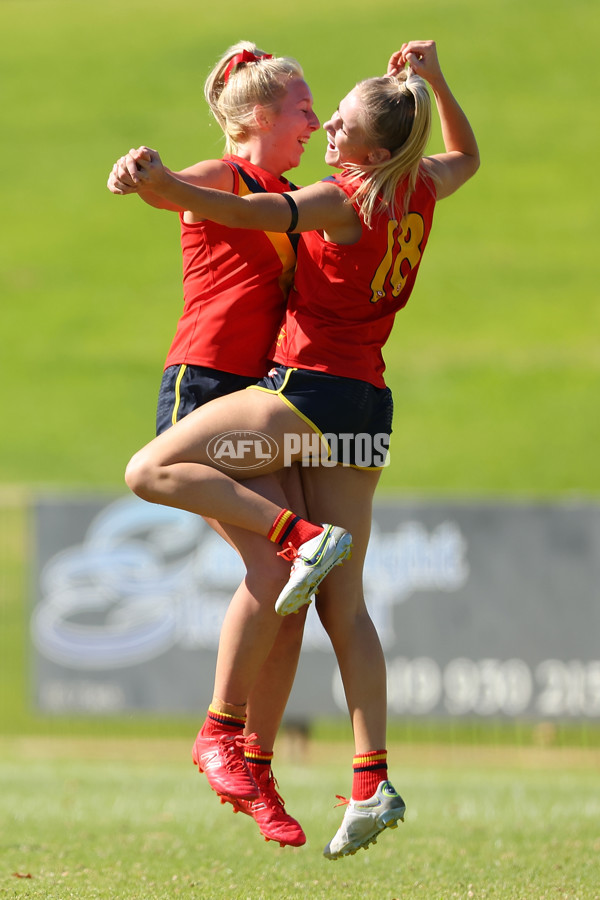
(483, 608)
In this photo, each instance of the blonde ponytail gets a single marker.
(396, 113)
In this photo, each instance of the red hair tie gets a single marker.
(245, 56)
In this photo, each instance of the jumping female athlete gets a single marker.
(363, 235)
(235, 289)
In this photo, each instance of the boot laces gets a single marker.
(233, 749)
(290, 553)
(269, 789)
(343, 801)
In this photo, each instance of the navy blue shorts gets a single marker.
(184, 388)
(353, 418)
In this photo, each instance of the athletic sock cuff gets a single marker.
(374, 759)
(282, 526)
(257, 757)
(226, 719)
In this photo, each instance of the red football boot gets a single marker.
(268, 811)
(221, 758)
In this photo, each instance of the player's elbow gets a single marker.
(474, 162)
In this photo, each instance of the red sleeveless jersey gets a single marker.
(342, 306)
(235, 286)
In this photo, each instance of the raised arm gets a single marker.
(461, 159)
(319, 207)
(123, 178)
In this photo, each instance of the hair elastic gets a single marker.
(294, 210)
(245, 56)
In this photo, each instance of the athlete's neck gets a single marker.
(256, 152)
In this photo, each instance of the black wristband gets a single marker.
(294, 210)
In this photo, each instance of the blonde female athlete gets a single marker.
(235, 288)
(363, 235)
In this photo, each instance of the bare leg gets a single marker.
(269, 696)
(375, 805)
(176, 468)
(270, 692)
(258, 657)
(258, 650)
(345, 495)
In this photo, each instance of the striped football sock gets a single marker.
(291, 529)
(218, 722)
(258, 760)
(369, 769)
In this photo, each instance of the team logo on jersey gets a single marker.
(242, 450)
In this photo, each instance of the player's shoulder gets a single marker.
(214, 173)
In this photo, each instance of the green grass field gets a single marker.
(133, 821)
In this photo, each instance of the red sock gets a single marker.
(258, 761)
(291, 529)
(369, 770)
(217, 722)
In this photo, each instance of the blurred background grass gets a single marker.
(495, 362)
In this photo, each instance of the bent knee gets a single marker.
(141, 475)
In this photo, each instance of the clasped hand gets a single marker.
(135, 171)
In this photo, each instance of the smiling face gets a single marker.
(346, 139)
(290, 126)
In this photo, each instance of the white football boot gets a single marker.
(364, 820)
(312, 561)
